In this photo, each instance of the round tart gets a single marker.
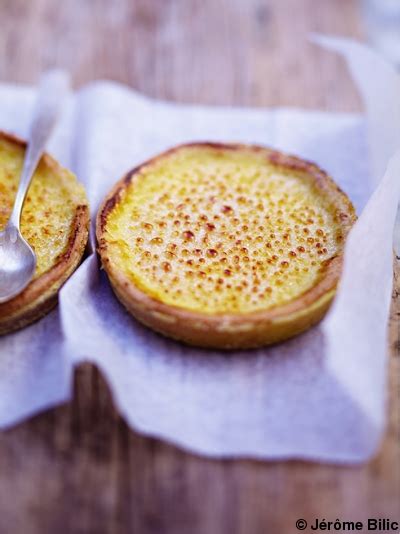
(54, 221)
(225, 246)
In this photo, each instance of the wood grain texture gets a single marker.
(78, 468)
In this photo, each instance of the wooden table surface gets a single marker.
(79, 468)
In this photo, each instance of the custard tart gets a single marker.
(54, 221)
(225, 245)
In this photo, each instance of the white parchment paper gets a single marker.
(319, 396)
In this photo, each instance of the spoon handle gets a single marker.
(52, 90)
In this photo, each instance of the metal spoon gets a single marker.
(17, 259)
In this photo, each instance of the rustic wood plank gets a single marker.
(213, 51)
(78, 468)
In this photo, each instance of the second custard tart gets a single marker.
(54, 221)
(225, 246)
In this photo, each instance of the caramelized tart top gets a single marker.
(225, 229)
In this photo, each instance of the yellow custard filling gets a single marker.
(50, 205)
(222, 231)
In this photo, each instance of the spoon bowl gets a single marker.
(17, 263)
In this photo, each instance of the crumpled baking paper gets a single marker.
(320, 396)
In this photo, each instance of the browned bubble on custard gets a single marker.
(220, 232)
